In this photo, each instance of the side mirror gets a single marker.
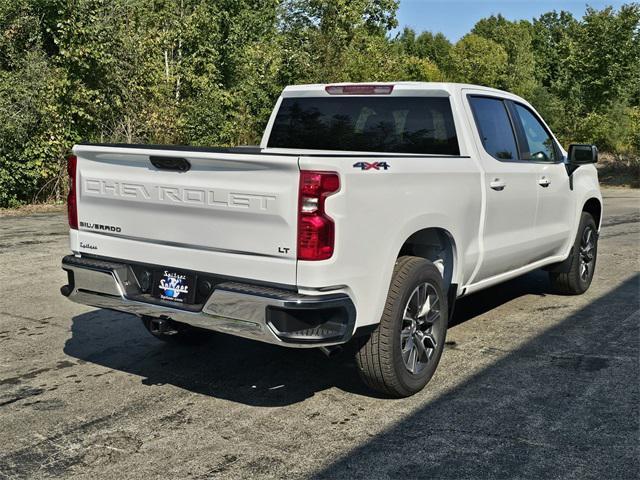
(581, 154)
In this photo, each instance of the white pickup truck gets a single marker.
(365, 212)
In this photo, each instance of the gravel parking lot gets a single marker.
(531, 385)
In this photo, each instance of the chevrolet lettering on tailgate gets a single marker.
(179, 195)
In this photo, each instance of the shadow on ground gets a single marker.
(564, 405)
(226, 367)
(241, 370)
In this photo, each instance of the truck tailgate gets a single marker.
(232, 214)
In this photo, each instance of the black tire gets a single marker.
(176, 333)
(380, 358)
(573, 280)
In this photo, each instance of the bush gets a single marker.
(617, 130)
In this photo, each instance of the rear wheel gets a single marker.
(174, 332)
(579, 274)
(402, 353)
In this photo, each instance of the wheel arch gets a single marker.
(594, 206)
(437, 245)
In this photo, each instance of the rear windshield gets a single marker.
(367, 124)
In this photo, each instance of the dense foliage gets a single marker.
(207, 72)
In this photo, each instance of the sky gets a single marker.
(455, 18)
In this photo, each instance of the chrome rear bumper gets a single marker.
(266, 314)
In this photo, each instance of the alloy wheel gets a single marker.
(587, 253)
(418, 337)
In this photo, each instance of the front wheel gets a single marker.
(402, 353)
(579, 274)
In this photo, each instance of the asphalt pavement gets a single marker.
(531, 385)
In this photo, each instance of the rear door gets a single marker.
(511, 190)
(232, 214)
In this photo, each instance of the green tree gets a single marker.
(515, 38)
(551, 45)
(604, 63)
(328, 30)
(33, 136)
(435, 48)
(475, 59)
(591, 75)
(406, 41)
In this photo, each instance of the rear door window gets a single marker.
(494, 126)
(368, 124)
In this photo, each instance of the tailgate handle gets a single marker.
(171, 163)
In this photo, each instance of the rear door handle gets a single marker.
(544, 182)
(498, 185)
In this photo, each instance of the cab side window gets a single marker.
(539, 146)
(494, 126)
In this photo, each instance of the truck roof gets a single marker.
(399, 88)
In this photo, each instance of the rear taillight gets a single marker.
(72, 201)
(316, 230)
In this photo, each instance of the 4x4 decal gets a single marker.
(371, 166)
